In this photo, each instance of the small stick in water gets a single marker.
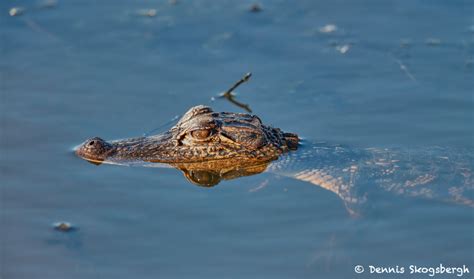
(244, 79)
(231, 97)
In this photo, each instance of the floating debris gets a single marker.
(242, 80)
(433, 41)
(256, 8)
(147, 12)
(405, 69)
(48, 4)
(16, 11)
(343, 48)
(63, 226)
(173, 2)
(329, 28)
(230, 96)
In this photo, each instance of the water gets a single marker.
(96, 68)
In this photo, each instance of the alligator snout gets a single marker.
(94, 149)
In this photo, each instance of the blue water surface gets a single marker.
(392, 73)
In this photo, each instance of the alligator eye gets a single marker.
(201, 134)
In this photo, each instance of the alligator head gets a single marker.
(201, 135)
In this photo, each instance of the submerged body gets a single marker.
(208, 146)
(357, 175)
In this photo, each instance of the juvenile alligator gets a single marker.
(209, 146)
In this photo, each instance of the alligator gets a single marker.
(210, 146)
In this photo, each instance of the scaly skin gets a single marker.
(200, 135)
(208, 147)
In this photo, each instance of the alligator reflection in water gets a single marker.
(208, 147)
(209, 174)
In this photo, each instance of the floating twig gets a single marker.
(231, 97)
(244, 79)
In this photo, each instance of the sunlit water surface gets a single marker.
(393, 73)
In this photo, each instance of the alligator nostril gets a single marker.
(92, 142)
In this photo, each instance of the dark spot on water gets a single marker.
(64, 227)
(256, 8)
